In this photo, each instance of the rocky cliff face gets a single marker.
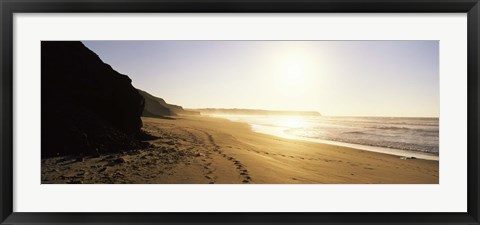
(87, 107)
(157, 107)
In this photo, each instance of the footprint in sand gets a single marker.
(243, 172)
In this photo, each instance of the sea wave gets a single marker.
(410, 134)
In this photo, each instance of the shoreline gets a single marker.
(208, 150)
(383, 150)
(390, 151)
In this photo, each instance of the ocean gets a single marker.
(410, 137)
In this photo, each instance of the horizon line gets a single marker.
(321, 114)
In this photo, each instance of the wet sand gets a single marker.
(205, 150)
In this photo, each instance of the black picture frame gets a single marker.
(9, 7)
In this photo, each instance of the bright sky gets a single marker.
(335, 78)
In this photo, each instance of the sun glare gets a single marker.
(294, 72)
(291, 121)
(294, 67)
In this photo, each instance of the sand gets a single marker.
(205, 150)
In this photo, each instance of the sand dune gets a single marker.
(203, 150)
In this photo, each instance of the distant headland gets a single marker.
(235, 111)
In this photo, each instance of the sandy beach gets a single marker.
(205, 150)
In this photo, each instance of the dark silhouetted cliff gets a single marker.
(157, 107)
(87, 107)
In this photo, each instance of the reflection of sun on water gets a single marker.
(290, 121)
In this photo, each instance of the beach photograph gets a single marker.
(240, 112)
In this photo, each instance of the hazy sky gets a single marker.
(335, 78)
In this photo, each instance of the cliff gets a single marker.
(154, 107)
(87, 107)
(157, 107)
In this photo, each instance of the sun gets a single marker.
(294, 72)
